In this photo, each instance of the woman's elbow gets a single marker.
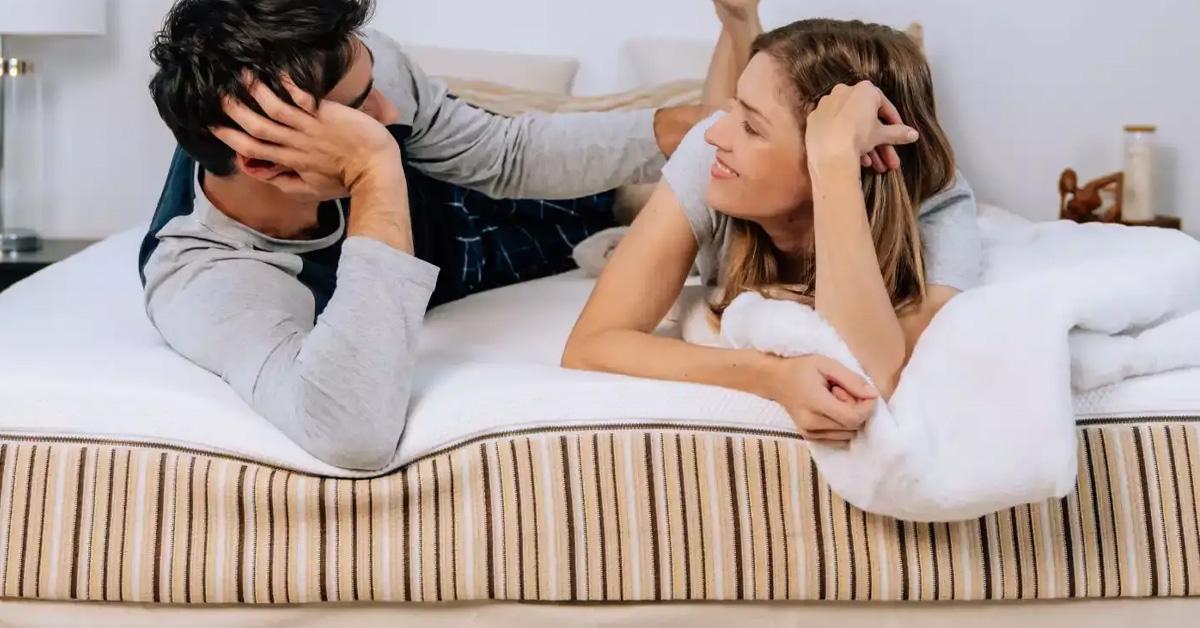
(886, 386)
(885, 373)
(885, 369)
(575, 353)
(585, 349)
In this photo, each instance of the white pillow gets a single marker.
(540, 73)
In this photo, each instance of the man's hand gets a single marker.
(672, 123)
(333, 151)
(328, 148)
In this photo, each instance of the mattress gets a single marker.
(127, 474)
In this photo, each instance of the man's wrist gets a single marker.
(381, 210)
(377, 172)
(392, 228)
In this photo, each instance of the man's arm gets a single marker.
(535, 155)
(338, 387)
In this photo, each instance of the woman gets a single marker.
(811, 187)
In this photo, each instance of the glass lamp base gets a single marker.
(19, 241)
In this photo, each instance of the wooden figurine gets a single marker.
(1081, 204)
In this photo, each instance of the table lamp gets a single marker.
(36, 17)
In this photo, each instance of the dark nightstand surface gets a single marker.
(52, 251)
(17, 266)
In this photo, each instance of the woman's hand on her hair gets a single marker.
(828, 401)
(325, 149)
(856, 124)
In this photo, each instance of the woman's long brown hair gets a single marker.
(815, 56)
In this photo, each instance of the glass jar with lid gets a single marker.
(1137, 202)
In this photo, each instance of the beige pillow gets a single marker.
(512, 101)
(541, 73)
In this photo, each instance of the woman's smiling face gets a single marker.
(760, 171)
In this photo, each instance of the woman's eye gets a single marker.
(749, 129)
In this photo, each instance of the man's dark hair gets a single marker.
(206, 46)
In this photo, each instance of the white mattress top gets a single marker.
(79, 358)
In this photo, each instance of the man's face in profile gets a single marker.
(357, 88)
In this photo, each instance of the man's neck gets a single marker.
(261, 206)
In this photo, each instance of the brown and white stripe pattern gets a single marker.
(598, 514)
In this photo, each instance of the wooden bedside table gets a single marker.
(16, 266)
(1162, 222)
(1086, 203)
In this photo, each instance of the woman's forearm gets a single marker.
(850, 292)
(639, 354)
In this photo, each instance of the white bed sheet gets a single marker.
(79, 358)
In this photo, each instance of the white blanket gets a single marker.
(982, 418)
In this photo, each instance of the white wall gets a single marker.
(1026, 87)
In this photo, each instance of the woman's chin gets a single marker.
(720, 197)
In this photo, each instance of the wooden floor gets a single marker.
(1160, 613)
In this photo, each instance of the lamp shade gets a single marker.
(52, 17)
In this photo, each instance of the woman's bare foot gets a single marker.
(736, 12)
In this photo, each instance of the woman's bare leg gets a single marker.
(721, 82)
(740, 25)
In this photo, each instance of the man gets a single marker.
(309, 309)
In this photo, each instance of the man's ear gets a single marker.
(259, 169)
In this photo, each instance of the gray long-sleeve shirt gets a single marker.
(319, 336)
